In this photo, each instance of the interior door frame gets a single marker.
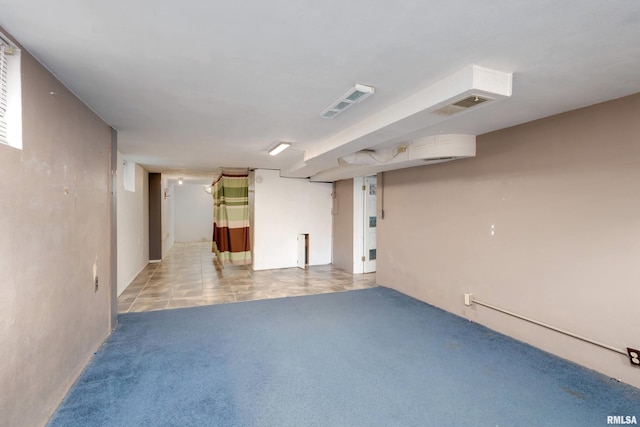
(358, 225)
(359, 217)
(369, 266)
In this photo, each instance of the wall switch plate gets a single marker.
(634, 356)
(468, 299)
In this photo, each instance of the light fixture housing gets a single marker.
(180, 181)
(354, 95)
(279, 148)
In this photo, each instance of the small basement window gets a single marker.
(10, 94)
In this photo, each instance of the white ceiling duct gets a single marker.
(419, 152)
(362, 158)
(464, 91)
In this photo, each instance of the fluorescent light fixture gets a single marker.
(354, 95)
(279, 148)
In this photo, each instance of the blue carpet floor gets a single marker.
(370, 357)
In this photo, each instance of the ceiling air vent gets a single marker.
(461, 105)
(354, 95)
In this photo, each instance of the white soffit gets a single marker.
(417, 112)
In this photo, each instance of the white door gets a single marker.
(370, 222)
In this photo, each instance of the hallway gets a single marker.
(189, 276)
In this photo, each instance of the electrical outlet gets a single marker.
(634, 356)
(96, 284)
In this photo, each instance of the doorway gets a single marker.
(365, 222)
(370, 222)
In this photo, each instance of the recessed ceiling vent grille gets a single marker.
(462, 105)
(354, 95)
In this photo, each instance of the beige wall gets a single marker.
(343, 225)
(563, 196)
(51, 320)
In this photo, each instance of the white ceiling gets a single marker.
(193, 85)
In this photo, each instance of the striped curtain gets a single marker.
(231, 240)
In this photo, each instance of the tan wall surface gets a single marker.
(343, 225)
(51, 320)
(563, 197)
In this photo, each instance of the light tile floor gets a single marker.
(190, 276)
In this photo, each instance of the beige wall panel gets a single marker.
(54, 198)
(545, 222)
(343, 225)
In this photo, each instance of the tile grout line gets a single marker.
(142, 288)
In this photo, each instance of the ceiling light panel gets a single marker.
(279, 148)
(354, 95)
